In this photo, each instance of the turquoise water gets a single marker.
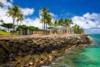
(93, 58)
(92, 54)
(89, 57)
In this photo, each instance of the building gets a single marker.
(62, 30)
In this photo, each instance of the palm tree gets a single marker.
(53, 26)
(49, 18)
(14, 12)
(20, 19)
(56, 23)
(46, 17)
(43, 14)
(77, 29)
(61, 22)
(68, 22)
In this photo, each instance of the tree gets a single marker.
(46, 17)
(77, 29)
(15, 13)
(33, 28)
(67, 22)
(61, 22)
(55, 23)
(25, 29)
(7, 25)
(20, 19)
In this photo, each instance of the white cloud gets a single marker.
(27, 21)
(88, 20)
(4, 16)
(36, 22)
(3, 11)
(27, 11)
(33, 22)
(6, 4)
(98, 26)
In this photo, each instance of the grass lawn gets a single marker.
(3, 33)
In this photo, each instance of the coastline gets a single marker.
(67, 52)
(38, 58)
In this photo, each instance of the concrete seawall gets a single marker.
(12, 48)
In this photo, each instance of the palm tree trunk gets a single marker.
(8, 30)
(18, 23)
(44, 26)
(13, 24)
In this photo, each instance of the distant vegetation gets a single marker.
(46, 19)
(8, 26)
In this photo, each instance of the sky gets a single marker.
(85, 13)
(62, 8)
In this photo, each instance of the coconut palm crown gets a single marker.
(15, 13)
(46, 17)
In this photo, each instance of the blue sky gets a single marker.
(62, 8)
(85, 13)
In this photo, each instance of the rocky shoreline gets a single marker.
(35, 52)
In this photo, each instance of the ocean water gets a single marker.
(93, 58)
(92, 54)
(89, 57)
